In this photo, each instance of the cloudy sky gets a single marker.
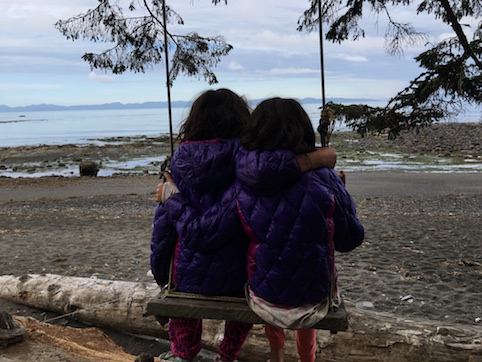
(270, 58)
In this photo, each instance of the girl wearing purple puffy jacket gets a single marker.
(294, 229)
(198, 225)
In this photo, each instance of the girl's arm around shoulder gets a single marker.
(264, 170)
(267, 170)
(321, 157)
(349, 231)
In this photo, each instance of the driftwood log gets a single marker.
(371, 336)
(118, 305)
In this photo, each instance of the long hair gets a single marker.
(217, 113)
(278, 123)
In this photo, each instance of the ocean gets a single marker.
(88, 126)
(82, 127)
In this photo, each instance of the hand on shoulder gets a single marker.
(166, 189)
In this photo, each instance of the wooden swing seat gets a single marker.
(165, 306)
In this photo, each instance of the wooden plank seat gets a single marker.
(165, 306)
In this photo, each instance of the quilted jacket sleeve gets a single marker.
(205, 230)
(266, 170)
(163, 243)
(349, 232)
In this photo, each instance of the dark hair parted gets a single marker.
(279, 123)
(217, 113)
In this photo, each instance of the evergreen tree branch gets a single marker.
(454, 23)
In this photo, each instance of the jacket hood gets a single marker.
(204, 167)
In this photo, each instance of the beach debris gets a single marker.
(49, 342)
(408, 298)
(478, 319)
(144, 357)
(88, 168)
(364, 305)
(10, 331)
(470, 263)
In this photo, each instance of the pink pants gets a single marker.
(185, 336)
(305, 341)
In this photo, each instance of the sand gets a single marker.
(422, 254)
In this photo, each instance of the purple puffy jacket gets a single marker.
(294, 229)
(200, 226)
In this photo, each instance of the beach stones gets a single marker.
(88, 168)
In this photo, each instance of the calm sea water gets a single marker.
(80, 127)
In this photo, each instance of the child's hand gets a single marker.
(342, 176)
(166, 189)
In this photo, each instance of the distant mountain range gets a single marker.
(116, 105)
(176, 104)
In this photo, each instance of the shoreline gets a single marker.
(450, 148)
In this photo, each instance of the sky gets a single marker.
(269, 57)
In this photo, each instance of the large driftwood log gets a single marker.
(118, 305)
(371, 336)
(374, 336)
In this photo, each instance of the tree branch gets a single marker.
(460, 33)
(159, 22)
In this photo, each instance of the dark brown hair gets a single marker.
(279, 123)
(217, 113)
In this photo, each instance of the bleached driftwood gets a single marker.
(118, 305)
(370, 336)
(374, 336)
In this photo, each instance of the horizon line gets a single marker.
(149, 104)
